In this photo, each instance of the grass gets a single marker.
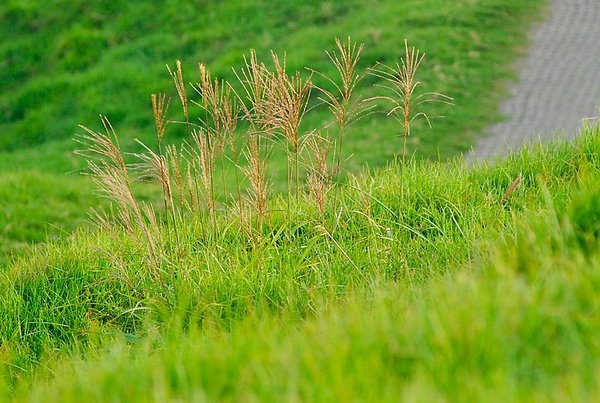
(35, 207)
(417, 280)
(126, 53)
(436, 279)
(469, 49)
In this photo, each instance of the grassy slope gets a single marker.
(67, 61)
(468, 299)
(30, 201)
(112, 56)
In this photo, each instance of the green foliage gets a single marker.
(67, 61)
(585, 213)
(434, 278)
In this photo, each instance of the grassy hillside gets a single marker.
(444, 281)
(64, 62)
(67, 61)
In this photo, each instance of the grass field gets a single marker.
(436, 282)
(408, 279)
(112, 56)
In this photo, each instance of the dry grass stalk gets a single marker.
(156, 167)
(290, 98)
(401, 82)
(219, 104)
(177, 76)
(221, 114)
(257, 106)
(340, 102)
(256, 97)
(194, 201)
(511, 188)
(318, 179)
(256, 172)
(206, 155)
(110, 173)
(176, 162)
(160, 105)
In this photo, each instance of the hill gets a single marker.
(64, 62)
(444, 281)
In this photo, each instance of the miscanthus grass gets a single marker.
(260, 115)
(448, 282)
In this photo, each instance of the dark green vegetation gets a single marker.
(444, 281)
(64, 62)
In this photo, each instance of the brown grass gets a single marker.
(108, 168)
(272, 103)
(341, 102)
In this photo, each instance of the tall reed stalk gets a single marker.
(177, 76)
(257, 107)
(290, 99)
(318, 178)
(110, 172)
(400, 81)
(344, 106)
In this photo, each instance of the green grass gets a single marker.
(429, 287)
(428, 281)
(113, 55)
(35, 207)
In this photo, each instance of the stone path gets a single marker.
(559, 81)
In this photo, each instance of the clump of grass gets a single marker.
(272, 103)
(110, 172)
(401, 82)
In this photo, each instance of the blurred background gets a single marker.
(62, 63)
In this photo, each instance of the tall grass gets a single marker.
(343, 106)
(260, 114)
(453, 290)
(402, 83)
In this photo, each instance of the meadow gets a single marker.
(112, 55)
(436, 281)
(239, 252)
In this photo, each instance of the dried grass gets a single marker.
(400, 81)
(273, 103)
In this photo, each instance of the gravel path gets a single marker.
(559, 81)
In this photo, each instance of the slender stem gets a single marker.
(297, 176)
(237, 179)
(289, 187)
(223, 177)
